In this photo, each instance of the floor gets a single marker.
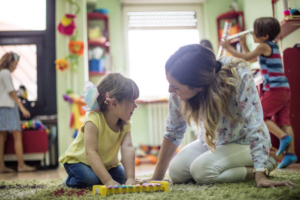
(140, 170)
(61, 173)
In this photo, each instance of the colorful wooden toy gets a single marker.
(152, 186)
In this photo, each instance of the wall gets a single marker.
(263, 10)
(63, 109)
(212, 9)
(115, 32)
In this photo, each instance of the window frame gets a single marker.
(46, 53)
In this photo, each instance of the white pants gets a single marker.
(195, 162)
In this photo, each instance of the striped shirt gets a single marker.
(272, 70)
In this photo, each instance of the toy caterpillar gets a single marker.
(152, 186)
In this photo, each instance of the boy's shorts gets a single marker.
(276, 106)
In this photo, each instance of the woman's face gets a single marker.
(13, 66)
(183, 91)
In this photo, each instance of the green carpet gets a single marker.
(52, 189)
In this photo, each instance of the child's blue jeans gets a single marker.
(82, 176)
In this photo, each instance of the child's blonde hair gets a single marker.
(7, 59)
(118, 87)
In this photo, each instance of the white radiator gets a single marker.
(157, 114)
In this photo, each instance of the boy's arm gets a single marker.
(243, 44)
(246, 50)
(128, 158)
(260, 49)
(91, 151)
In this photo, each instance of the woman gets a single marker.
(233, 143)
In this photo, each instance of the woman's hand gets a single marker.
(130, 181)
(146, 180)
(111, 182)
(142, 180)
(25, 112)
(272, 184)
(262, 181)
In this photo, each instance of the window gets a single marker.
(21, 15)
(25, 29)
(153, 34)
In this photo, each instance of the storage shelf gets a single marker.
(99, 44)
(288, 27)
(97, 73)
(97, 16)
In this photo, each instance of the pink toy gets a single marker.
(67, 24)
(286, 13)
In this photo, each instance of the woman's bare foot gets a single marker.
(26, 168)
(5, 169)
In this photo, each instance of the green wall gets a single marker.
(212, 9)
(115, 32)
(63, 108)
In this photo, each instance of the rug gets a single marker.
(53, 189)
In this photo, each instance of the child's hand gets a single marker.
(130, 181)
(225, 44)
(243, 39)
(111, 183)
(25, 112)
(142, 180)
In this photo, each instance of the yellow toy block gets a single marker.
(152, 186)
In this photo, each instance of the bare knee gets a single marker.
(3, 135)
(17, 135)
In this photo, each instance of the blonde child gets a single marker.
(9, 113)
(92, 158)
(275, 99)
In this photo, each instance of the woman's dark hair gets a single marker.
(266, 26)
(196, 66)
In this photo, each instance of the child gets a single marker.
(275, 99)
(92, 158)
(207, 44)
(9, 113)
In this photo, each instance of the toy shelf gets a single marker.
(97, 74)
(97, 16)
(288, 27)
(99, 44)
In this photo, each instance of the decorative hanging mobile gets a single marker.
(67, 27)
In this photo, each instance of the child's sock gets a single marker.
(284, 142)
(288, 159)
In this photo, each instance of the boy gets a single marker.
(275, 99)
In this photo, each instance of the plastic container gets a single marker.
(97, 65)
(101, 10)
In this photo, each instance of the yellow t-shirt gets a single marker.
(109, 143)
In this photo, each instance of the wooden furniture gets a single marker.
(238, 24)
(103, 44)
(291, 65)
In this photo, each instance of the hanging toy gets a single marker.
(67, 24)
